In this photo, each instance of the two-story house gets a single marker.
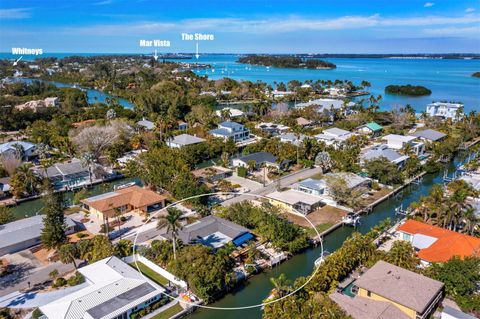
(444, 110)
(226, 130)
(399, 142)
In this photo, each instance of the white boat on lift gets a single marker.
(351, 219)
(320, 260)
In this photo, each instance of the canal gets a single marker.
(32, 207)
(258, 287)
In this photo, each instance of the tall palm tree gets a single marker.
(281, 285)
(88, 159)
(172, 221)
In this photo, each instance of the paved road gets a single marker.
(35, 275)
(284, 182)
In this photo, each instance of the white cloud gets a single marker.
(102, 3)
(271, 25)
(428, 4)
(454, 31)
(469, 10)
(15, 13)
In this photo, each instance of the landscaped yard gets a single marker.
(320, 228)
(169, 312)
(159, 279)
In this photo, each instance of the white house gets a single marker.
(146, 124)
(292, 138)
(113, 290)
(272, 128)
(334, 136)
(233, 112)
(184, 140)
(444, 110)
(25, 150)
(383, 151)
(398, 142)
(233, 130)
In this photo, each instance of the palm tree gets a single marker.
(172, 221)
(88, 159)
(29, 178)
(281, 285)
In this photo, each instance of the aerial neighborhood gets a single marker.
(177, 189)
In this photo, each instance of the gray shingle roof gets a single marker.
(383, 151)
(259, 157)
(364, 308)
(430, 134)
(24, 229)
(232, 125)
(186, 139)
(208, 226)
(400, 285)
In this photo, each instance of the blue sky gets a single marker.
(243, 26)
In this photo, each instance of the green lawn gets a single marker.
(169, 312)
(150, 273)
(320, 228)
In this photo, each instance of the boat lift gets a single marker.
(400, 211)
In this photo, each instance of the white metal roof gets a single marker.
(108, 279)
(292, 197)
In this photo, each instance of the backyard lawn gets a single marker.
(159, 279)
(169, 312)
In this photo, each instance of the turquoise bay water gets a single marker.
(449, 79)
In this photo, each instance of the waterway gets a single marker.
(33, 207)
(93, 96)
(448, 79)
(259, 286)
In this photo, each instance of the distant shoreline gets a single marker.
(189, 55)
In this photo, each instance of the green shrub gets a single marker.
(81, 235)
(37, 314)
(242, 171)
(76, 279)
(59, 282)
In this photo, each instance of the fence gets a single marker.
(157, 269)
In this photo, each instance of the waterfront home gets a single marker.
(214, 232)
(272, 128)
(25, 233)
(146, 124)
(231, 130)
(73, 172)
(182, 140)
(400, 142)
(232, 112)
(333, 136)
(430, 135)
(279, 94)
(373, 129)
(320, 187)
(125, 200)
(112, 289)
(212, 173)
(260, 159)
(416, 296)
(436, 244)
(292, 138)
(473, 179)
(37, 105)
(445, 110)
(24, 150)
(295, 201)
(383, 151)
(129, 156)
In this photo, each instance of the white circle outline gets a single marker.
(227, 308)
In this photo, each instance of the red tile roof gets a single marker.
(447, 245)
